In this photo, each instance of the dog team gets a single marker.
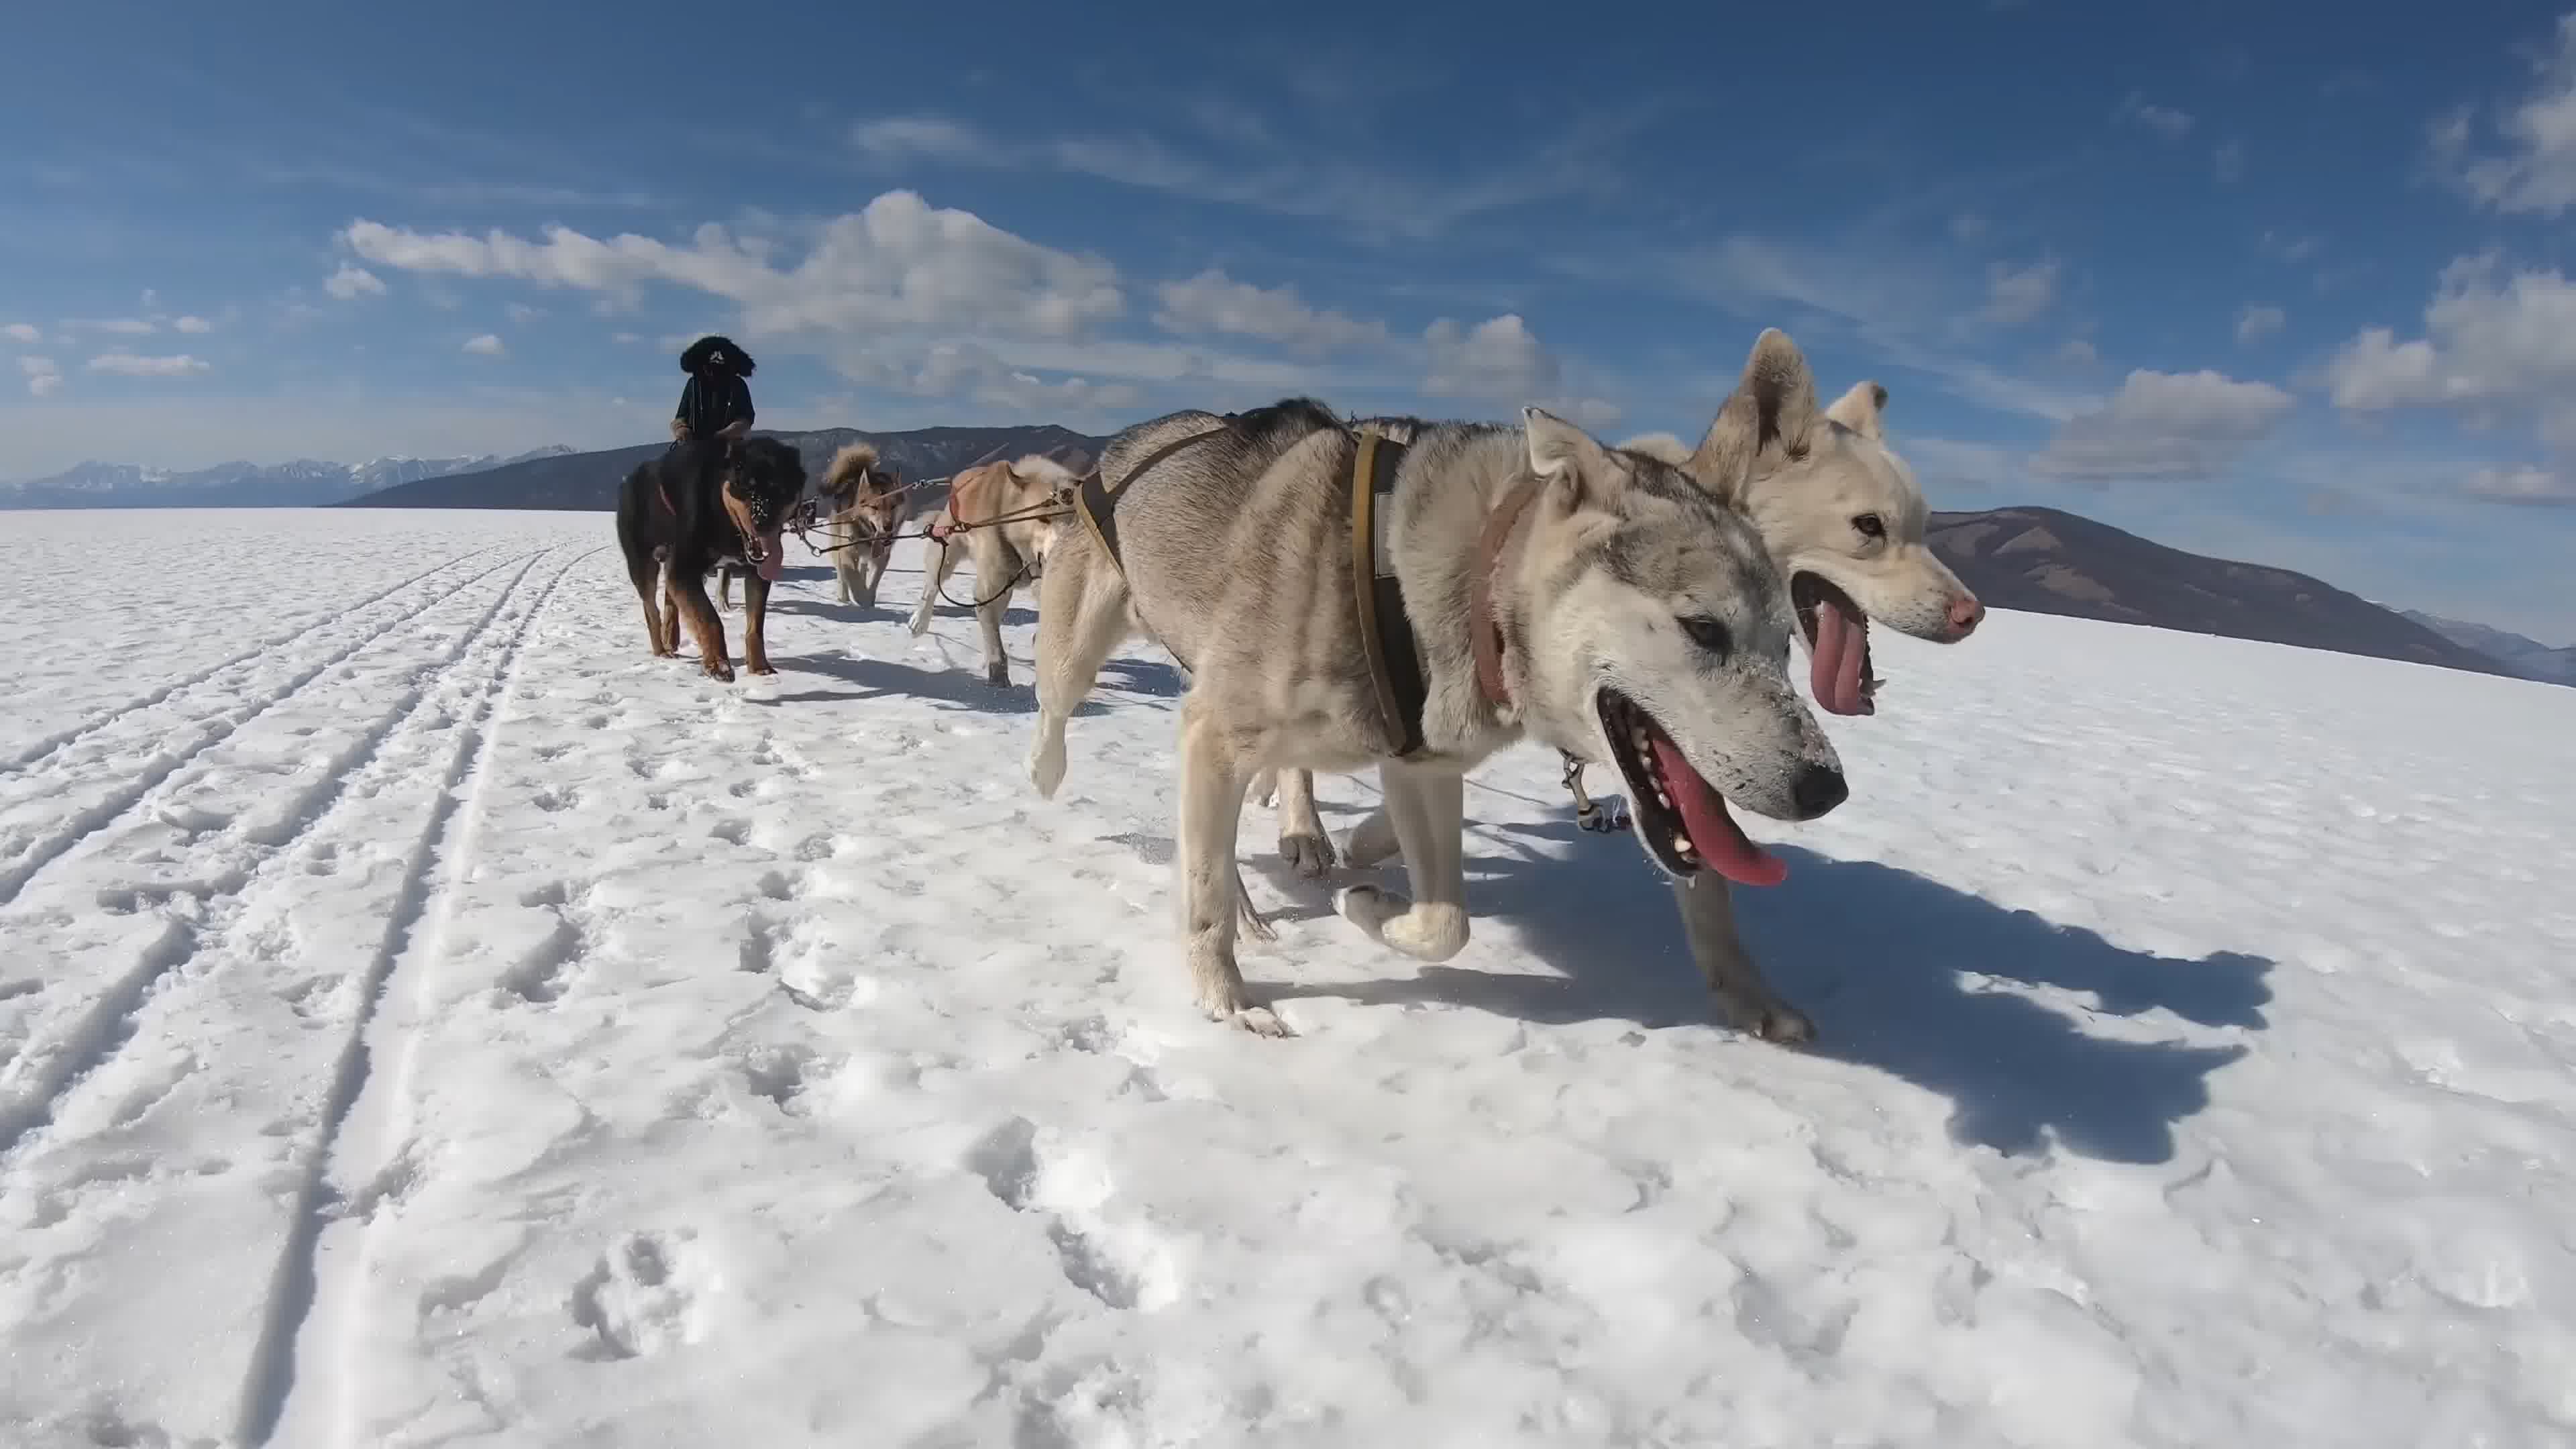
(1391, 592)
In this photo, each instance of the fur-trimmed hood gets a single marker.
(695, 359)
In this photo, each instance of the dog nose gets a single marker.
(1819, 788)
(1966, 613)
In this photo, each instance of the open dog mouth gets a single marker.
(1682, 818)
(1837, 645)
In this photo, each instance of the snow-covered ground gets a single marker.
(426, 1019)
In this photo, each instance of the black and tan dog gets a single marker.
(700, 506)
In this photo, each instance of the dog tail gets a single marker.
(849, 466)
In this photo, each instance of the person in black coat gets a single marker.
(716, 401)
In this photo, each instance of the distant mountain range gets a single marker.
(588, 481)
(2527, 657)
(2038, 560)
(304, 483)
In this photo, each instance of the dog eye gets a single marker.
(1870, 526)
(1709, 634)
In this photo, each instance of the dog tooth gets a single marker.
(1681, 845)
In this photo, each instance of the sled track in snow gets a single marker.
(52, 1071)
(36, 753)
(214, 729)
(296, 1286)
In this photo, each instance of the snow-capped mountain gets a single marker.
(301, 483)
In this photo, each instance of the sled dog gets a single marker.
(1416, 596)
(863, 504)
(1843, 520)
(698, 507)
(1006, 553)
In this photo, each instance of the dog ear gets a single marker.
(1564, 453)
(1859, 409)
(1769, 419)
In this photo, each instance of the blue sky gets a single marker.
(2241, 281)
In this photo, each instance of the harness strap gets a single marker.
(1097, 499)
(1386, 633)
(1484, 630)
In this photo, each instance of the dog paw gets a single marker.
(1262, 1021)
(764, 667)
(1763, 1015)
(1368, 908)
(1309, 855)
(1046, 767)
(997, 674)
(720, 671)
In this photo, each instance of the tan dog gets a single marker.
(999, 516)
(864, 506)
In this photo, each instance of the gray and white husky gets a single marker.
(1635, 620)
(1843, 520)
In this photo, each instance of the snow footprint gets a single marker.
(1124, 1266)
(642, 1298)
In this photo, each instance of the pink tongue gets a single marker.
(1721, 843)
(1835, 663)
(770, 557)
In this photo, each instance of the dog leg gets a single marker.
(1372, 840)
(705, 623)
(755, 624)
(1080, 621)
(1264, 789)
(943, 561)
(1211, 813)
(1429, 807)
(1302, 841)
(994, 601)
(647, 584)
(670, 619)
(843, 566)
(1744, 999)
(724, 587)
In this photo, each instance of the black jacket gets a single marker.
(713, 400)
(715, 397)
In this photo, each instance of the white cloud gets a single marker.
(2527, 486)
(903, 137)
(2078, 352)
(2230, 161)
(119, 326)
(2532, 168)
(127, 364)
(194, 325)
(22, 332)
(1212, 303)
(900, 265)
(352, 282)
(43, 377)
(951, 369)
(2290, 247)
(2016, 295)
(2164, 425)
(2255, 323)
(486, 345)
(520, 312)
(1499, 359)
(625, 339)
(2493, 343)
(2172, 124)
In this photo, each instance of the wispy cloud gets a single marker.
(1214, 304)
(2526, 487)
(486, 345)
(352, 282)
(2135, 109)
(2530, 166)
(193, 325)
(2256, 322)
(1375, 202)
(23, 332)
(44, 378)
(127, 364)
(2164, 426)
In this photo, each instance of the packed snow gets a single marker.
(427, 1019)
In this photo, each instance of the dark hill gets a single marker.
(2047, 562)
(587, 482)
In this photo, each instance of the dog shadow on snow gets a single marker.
(962, 687)
(1885, 961)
